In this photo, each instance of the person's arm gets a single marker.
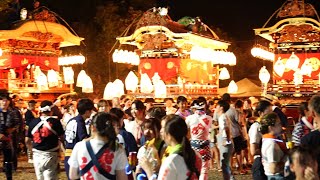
(29, 144)
(121, 175)
(74, 173)
(81, 130)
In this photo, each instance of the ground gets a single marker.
(25, 171)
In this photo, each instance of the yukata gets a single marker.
(199, 124)
(45, 132)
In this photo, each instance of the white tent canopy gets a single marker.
(246, 88)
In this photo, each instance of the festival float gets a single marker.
(173, 58)
(294, 49)
(30, 56)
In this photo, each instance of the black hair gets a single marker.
(202, 99)
(178, 129)
(266, 121)
(314, 103)
(210, 103)
(238, 104)
(154, 124)
(262, 106)
(139, 105)
(103, 122)
(306, 154)
(224, 104)
(85, 105)
(44, 104)
(303, 106)
(226, 97)
(118, 112)
(248, 101)
(167, 99)
(181, 99)
(149, 100)
(156, 112)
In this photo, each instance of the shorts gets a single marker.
(239, 144)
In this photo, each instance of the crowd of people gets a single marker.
(130, 139)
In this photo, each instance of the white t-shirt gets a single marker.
(255, 135)
(200, 126)
(173, 168)
(134, 128)
(271, 153)
(110, 161)
(222, 121)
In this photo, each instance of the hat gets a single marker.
(269, 97)
(253, 100)
(196, 104)
(32, 102)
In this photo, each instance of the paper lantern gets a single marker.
(279, 67)
(145, 84)
(297, 77)
(232, 58)
(293, 62)
(160, 90)
(68, 75)
(87, 86)
(224, 74)
(108, 91)
(131, 82)
(233, 87)
(306, 68)
(264, 75)
(53, 79)
(81, 78)
(118, 88)
(70, 60)
(156, 78)
(42, 82)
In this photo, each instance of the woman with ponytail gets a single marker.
(181, 162)
(100, 157)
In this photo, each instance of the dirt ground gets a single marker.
(25, 171)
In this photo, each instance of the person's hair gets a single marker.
(306, 154)
(181, 99)
(168, 99)
(210, 103)
(314, 103)
(149, 100)
(226, 97)
(248, 101)
(178, 129)
(68, 106)
(238, 104)
(156, 112)
(224, 104)
(202, 99)
(44, 104)
(139, 105)
(118, 112)
(103, 122)
(263, 105)
(103, 103)
(154, 124)
(85, 105)
(266, 121)
(303, 106)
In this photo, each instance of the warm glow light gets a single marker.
(119, 88)
(131, 82)
(125, 56)
(70, 60)
(293, 62)
(156, 78)
(145, 84)
(53, 79)
(87, 86)
(160, 89)
(68, 75)
(264, 75)
(306, 68)
(215, 57)
(1, 51)
(297, 77)
(262, 54)
(163, 11)
(81, 78)
(42, 82)
(224, 74)
(279, 67)
(233, 87)
(108, 91)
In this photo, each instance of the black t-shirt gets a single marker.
(43, 138)
(312, 141)
(29, 117)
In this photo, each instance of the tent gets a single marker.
(246, 88)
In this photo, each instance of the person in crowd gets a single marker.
(274, 100)
(30, 115)
(183, 110)
(9, 124)
(303, 164)
(273, 151)
(116, 102)
(156, 112)
(76, 129)
(149, 103)
(100, 157)
(104, 106)
(126, 104)
(130, 143)
(224, 137)
(135, 126)
(45, 133)
(169, 106)
(199, 125)
(69, 113)
(181, 161)
(154, 146)
(255, 137)
(303, 127)
(312, 139)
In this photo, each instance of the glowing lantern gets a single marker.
(145, 84)
(233, 87)
(232, 59)
(297, 77)
(160, 90)
(81, 78)
(42, 82)
(293, 62)
(224, 74)
(279, 67)
(87, 86)
(118, 88)
(306, 68)
(264, 75)
(12, 74)
(108, 91)
(1, 52)
(131, 82)
(68, 75)
(53, 79)
(70, 60)
(156, 78)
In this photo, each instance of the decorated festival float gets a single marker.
(30, 56)
(173, 58)
(294, 49)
